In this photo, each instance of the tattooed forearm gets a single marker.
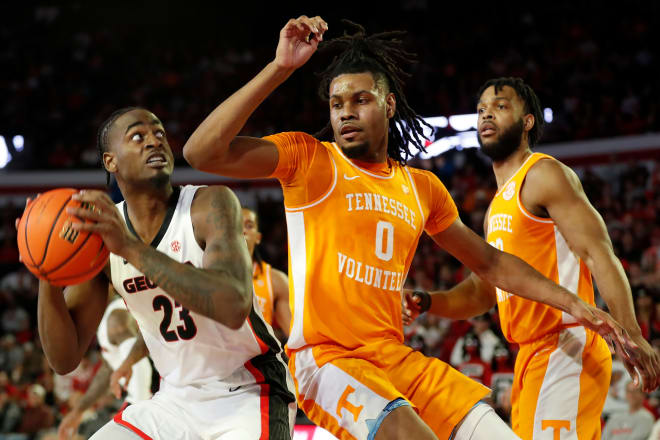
(183, 282)
(222, 288)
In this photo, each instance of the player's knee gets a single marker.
(398, 420)
(482, 423)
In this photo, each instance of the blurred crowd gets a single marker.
(33, 399)
(66, 68)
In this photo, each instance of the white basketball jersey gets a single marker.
(188, 348)
(139, 387)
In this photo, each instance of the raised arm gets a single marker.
(222, 288)
(555, 188)
(213, 147)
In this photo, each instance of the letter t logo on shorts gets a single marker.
(556, 425)
(344, 403)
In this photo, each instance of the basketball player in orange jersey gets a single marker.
(271, 286)
(354, 215)
(180, 262)
(541, 214)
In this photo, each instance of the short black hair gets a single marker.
(381, 55)
(102, 135)
(529, 98)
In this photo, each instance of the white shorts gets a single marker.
(248, 412)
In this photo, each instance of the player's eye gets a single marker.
(160, 134)
(501, 106)
(137, 137)
(335, 105)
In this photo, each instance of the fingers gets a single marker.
(114, 386)
(303, 26)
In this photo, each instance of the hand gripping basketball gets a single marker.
(51, 248)
(106, 220)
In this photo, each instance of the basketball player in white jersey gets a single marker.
(116, 335)
(181, 264)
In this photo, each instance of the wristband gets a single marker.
(424, 300)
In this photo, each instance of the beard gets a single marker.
(506, 143)
(356, 151)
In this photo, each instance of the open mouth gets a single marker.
(157, 160)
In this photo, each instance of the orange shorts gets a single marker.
(561, 382)
(345, 391)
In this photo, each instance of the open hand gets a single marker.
(639, 358)
(299, 39)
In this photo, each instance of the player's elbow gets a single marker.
(194, 154)
(241, 309)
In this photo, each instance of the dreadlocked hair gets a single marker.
(381, 55)
(529, 98)
(102, 136)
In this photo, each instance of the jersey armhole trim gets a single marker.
(522, 208)
(322, 197)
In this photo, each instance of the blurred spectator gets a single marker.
(487, 341)
(633, 423)
(502, 380)
(474, 366)
(616, 397)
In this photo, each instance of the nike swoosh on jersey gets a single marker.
(232, 389)
(350, 177)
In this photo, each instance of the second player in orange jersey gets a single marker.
(541, 214)
(354, 214)
(271, 286)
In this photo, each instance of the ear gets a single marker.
(529, 122)
(109, 162)
(390, 104)
(259, 238)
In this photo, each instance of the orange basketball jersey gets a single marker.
(353, 228)
(263, 289)
(536, 240)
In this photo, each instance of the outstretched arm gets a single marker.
(512, 274)
(555, 188)
(221, 289)
(213, 147)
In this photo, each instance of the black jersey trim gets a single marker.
(171, 207)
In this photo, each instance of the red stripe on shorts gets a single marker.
(262, 345)
(263, 399)
(130, 426)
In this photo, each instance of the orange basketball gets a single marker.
(51, 249)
